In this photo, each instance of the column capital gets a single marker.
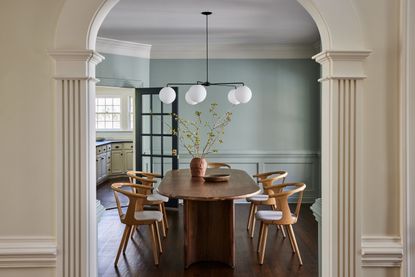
(343, 64)
(75, 64)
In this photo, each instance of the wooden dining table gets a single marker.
(209, 212)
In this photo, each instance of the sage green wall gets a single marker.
(283, 114)
(123, 71)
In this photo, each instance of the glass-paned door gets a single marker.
(157, 147)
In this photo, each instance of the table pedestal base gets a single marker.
(209, 231)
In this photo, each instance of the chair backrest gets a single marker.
(218, 165)
(281, 193)
(134, 200)
(281, 174)
(144, 178)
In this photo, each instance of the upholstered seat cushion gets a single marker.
(157, 197)
(268, 215)
(256, 198)
(148, 215)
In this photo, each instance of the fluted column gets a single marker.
(342, 77)
(76, 189)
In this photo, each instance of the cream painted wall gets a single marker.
(27, 112)
(381, 134)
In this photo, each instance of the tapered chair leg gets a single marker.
(130, 230)
(263, 244)
(261, 233)
(251, 209)
(158, 237)
(291, 231)
(283, 231)
(133, 229)
(166, 222)
(253, 222)
(124, 237)
(291, 240)
(154, 243)
(163, 224)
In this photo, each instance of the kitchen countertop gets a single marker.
(105, 142)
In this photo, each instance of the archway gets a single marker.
(342, 75)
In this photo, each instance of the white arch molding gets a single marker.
(342, 75)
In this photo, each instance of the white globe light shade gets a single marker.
(167, 95)
(197, 93)
(188, 100)
(232, 98)
(243, 94)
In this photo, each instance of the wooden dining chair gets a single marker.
(135, 215)
(153, 199)
(218, 165)
(267, 179)
(283, 217)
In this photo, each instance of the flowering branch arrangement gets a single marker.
(190, 131)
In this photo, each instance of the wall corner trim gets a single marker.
(34, 252)
(381, 251)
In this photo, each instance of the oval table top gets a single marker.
(180, 184)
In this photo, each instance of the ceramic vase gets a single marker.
(198, 167)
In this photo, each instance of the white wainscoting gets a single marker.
(301, 166)
(17, 252)
(382, 251)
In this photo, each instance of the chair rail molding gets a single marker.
(34, 252)
(382, 251)
(341, 81)
(76, 190)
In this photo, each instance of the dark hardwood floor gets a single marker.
(138, 260)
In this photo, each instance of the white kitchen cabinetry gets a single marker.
(114, 159)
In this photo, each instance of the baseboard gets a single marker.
(382, 251)
(16, 252)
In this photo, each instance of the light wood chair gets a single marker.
(267, 179)
(218, 165)
(135, 215)
(283, 217)
(153, 199)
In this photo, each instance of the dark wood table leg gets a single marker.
(209, 228)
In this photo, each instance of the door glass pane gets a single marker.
(167, 145)
(146, 103)
(156, 104)
(167, 164)
(146, 144)
(156, 145)
(157, 165)
(167, 124)
(146, 124)
(167, 108)
(156, 124)
(146, 164)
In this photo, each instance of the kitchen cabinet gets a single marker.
(117, 162)
(114, 159)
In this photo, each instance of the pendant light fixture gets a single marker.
(197, 92)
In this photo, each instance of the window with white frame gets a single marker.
(114, 109)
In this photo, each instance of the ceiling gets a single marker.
(235, 24)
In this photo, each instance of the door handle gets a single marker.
(174, 152)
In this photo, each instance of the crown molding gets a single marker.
(382, 251)
(123, 48)
(35, 252)
(235, 52)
